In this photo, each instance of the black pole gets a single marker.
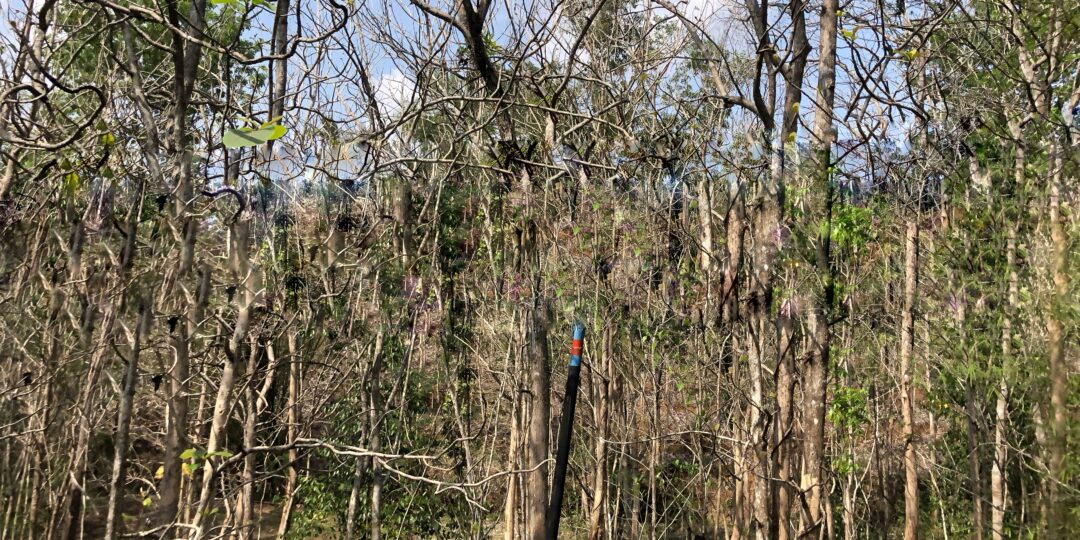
(566, 428)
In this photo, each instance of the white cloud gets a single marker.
(394, 92)
(706, 13)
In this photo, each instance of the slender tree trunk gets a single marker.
(1057, 524)
(970, 409)
(974, 461)
(654, 449)
(513, 482)
(705, 216)
(799, 50)
(361, 463)
(375, 418)
(816, 373)
(907, 344)
(185, 59)
(539, 417)
(785, 405)
(359, 469)
(997, 472)
(245, 500)
(123, 424)
(514, 486)
(755, 476)
(71, 521)
(217, 433)
(292, 432)
(600, 473)
(974, 465)
(280, 40)
(998, 479)
(244, 272)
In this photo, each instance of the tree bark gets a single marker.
(361, 463)
(375, 418)
(234, 349)
(998, 476)
(602, 384)
(245, 499)
(907, 344)
(292, 405)
(539, 416)
(971, 410)
(816, 373)
(1057, 523)
(123, 424)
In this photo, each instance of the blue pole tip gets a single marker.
(576, 344)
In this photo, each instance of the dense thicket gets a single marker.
(308, 269)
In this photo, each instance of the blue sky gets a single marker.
(510, 25)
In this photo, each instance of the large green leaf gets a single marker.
(243, 137)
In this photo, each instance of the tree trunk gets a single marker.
(998, 477)
(1057, 524)
(513, 482)
(974, 461)
(539, 417)
(375, 418)
(217, 433)
(245, 500)
(816, 373)
(71, 522)
(123, 424)
(292, 432)
(907, 344)
(603, 386)
(785, 421)
(244, 272)
(360, 466)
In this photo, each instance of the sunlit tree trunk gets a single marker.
(123, 422)
(600, 417)
(907, 345)
(539, 416)
(815, 382)
(375, 419)
(1055, 334)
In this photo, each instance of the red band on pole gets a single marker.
(575, 347)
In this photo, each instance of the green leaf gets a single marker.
(147, 502)
(239, 138)
(244, 137)
(279, 131)
(71, 183)
(189, 453)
